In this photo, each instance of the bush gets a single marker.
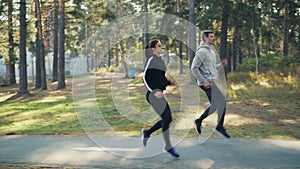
(275, 62)
(241, 77)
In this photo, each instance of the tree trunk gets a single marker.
(229, 58)
(191, 37)
(223, 45)
(86, 46)
(61, 50)
(38, 80)
(181, 58)
(122, 55)
(146, 35)
(109, 53)
(116, 57)
(41, 45)
(180, 43)
(235, 48)
(167, 52)
(95, 60)
(146, 29)
(22, 63)
(12, 58)
(55, 43)
(286, 31)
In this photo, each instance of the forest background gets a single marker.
(260, 40)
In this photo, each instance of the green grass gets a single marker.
(37, 114)
(268, 108)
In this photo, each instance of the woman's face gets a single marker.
(157, 49)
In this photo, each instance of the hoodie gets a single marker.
(204, 67)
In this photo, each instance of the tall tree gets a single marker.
(22, 64)
(119, 13)
(180, 43)
(55, 42)
(146, 34)
(11, 54)
(38, 80)
(61, 50)
(286, 29)
(191, 36)
(225, 15)
(41, 46)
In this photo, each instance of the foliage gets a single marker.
(277, 62)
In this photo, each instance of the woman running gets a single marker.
(156, 82)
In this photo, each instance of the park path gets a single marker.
(82, 152)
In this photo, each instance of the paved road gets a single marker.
(82, 152)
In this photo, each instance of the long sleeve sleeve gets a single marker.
(198, 69)
(154, 75)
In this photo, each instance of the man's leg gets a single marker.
(219, 101)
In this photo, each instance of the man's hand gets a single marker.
(224, 62)
(207, 85)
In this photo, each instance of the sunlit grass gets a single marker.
(265, 109)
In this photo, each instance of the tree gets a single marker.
(55, 42)
(41, 47)
(61, 50)
(286, 29)
(225, 15)
(22, 63)
(38, 80)
(121, 46)
(11, 55)
(191, 36)
(146, 34)
(180, 43)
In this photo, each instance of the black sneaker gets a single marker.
(222, 132)
(145, 137)
(198, 123)
(173, 152)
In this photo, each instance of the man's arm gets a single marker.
(196, 68)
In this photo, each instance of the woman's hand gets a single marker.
(159, 94)
(173, 83)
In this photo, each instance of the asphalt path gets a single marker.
(84, 152)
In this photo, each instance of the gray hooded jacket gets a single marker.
(204, 67)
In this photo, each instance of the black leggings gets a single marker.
(162, 108)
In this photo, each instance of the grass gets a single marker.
(268, 108)
(39, 112)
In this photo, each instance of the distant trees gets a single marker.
(244, 29)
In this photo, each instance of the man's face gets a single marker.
(210, 39)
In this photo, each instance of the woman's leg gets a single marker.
(158, 124)
(162, 108)
(166, 120)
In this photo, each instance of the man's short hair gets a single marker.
(205, 34)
